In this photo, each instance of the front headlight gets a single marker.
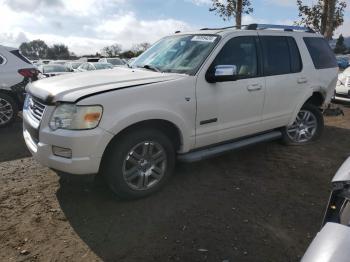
(74, 117)
(341, 79)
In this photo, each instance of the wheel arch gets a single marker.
(10, 94)
(169, 128)
(314, 97)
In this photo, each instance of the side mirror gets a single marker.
(222, 73)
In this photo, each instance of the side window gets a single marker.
(241, 52)
(295, 58)
(321, 53)
(276, 55)
(2, 60)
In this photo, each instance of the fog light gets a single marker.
(62, 152)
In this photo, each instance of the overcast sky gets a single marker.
(88, 25)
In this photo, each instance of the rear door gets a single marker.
(285, 78)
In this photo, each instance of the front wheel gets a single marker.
(139, 163)
(307, 127)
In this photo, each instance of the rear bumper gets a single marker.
(342, 97)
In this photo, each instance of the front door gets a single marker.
(231, 109)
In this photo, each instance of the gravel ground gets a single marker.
(263, 203)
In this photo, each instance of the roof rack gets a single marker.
(222, 28)
(287, 28)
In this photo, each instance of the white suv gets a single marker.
(15, 72)
(191, 96)
(342, 91)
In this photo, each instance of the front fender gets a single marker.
(126, 120)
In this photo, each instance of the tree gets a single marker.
(128, 54)
(112, 51)
(138, 49)
(340, 47)
(36, 49)
(58, 51)
(324, 16)
(229, 9)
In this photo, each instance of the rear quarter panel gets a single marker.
(319, 80)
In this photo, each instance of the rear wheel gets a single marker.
(8, 110)
(139, 163)
(307, 127)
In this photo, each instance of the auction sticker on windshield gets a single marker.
(204, 38)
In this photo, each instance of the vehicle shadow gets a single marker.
(12, 144)
(265, 201)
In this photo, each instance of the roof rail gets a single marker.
(222, 28)
(288, 28)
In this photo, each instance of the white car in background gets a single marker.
(332, 243)
(16, 72)
(91, 66)
(73, 65)
(50, 70)
(115, 61)
(342, 91)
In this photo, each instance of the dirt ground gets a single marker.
(263, 203)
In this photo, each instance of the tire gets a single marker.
(8, 110)
(307, 128)
(139, 163)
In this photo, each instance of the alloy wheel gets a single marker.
(144, 165)
(6, 111)
(304, 128)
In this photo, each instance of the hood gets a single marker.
(342, 177)
(71, 87)
(56, 73)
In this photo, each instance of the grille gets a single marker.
(35, 108)
(348, 82)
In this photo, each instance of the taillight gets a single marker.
(29, 72)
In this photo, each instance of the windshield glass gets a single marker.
(103, 66)
(115, 61)
(54, 68)
(178, 54)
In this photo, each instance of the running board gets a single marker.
(221, 149)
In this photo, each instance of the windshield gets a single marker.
(178, 54)
(103, 66)
(54, 68)
(115, 61)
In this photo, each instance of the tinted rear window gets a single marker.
(321, 53)
(20, 56)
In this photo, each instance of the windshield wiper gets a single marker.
(151, 67)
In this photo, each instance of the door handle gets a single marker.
(254, 87)
(302, 80)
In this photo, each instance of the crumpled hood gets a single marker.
(71, 87)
